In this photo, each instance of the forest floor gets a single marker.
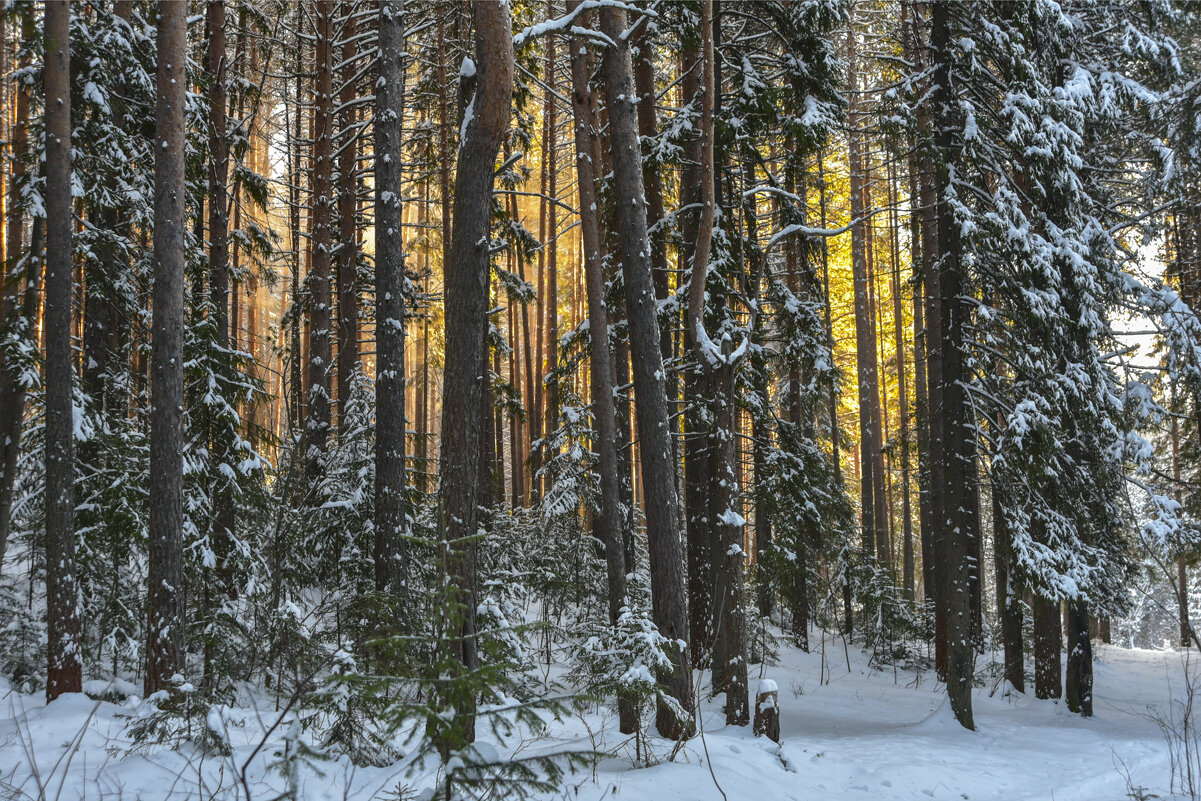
(862, 733)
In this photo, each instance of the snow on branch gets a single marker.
(564, 24)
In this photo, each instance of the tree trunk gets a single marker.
(902, 386)
(487, 86)
(958, 451)
(348, 251)
(730, 647)
(865, 342)
(1186, 629)
(648, 127)
(1078, 689)
(391, 569)
(1048, 638)
(698, 459)
(551, 244)
(295, 383)
(165, 609)
(670, 605)
(64, 669)
(223, 505)
(921, 401)
(1009, 601)
(321, 238)
(606, 524)
(12, 391)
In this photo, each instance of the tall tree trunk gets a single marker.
(921, 402)
(902, 383)
(606, 524)
(164, 602)
(531, 433)
(348, 251)
(959, 520)
(933, 347)
(295, 382)
(551, 244)
(12, 391)
(321, 239)
(602, 151)
(698, 455)
(64, 668)
(223, 505)
(865, 342)
(538, 423)
(420, 442)
(648, 128)
(730, 656)
(391, 568)
(669, 602)
(881, 500)
(487, 89)
(848, 613)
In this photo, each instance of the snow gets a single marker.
(849, 731)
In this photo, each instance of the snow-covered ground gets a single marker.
(862, 734)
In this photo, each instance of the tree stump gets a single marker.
(767, 710)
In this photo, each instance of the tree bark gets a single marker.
(1048, 639)
(165, 610)
(648, 127)
(486, 119)
(607, 523)
(698, 444)
(12, 391)
(551, 244)
(391, 527)
(1078, 689)
(348, 250)
(318, 364)
(730, 647)
(295, 382)
(902, 387)
(669, 602)
(64, 669)
(865, 341)
(1009, 601)
(959, 520)
(223, 504)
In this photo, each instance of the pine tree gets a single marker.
(64, 671)
(391, 507)
(670, 603)
(486, 86)
(164, 603)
